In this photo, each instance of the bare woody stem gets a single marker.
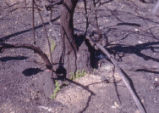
(31, 47)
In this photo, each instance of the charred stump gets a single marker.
(75, 55)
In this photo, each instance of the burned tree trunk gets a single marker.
(75, 55)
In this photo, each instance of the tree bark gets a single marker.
(74, 56)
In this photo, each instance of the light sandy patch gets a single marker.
(9, 107)
(76, 98)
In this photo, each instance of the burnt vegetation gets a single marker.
(80, 49)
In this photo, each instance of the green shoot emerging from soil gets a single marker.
(53, 45)
(78, 74)
(56, 90)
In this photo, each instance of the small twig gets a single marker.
(33, 20)
(121, 73)
(48, 41)
(86, 17)
(58, 2)
(115, 85)
(84, 87)
(47, 37)
(154, 10)
(98, 30)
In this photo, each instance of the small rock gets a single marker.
(116, 105)
(140, 42)
(137, 111)
(80, 5)
(142, 100)
(156, 79)
(45, 108)
(137, 30)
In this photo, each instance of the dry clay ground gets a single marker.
(133, 33)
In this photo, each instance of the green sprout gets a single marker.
(53, 45)
(78, 74)
(56, 90)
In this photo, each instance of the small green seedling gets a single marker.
(78, 74)
(53, 45)
(56, 90)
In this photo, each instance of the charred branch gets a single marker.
(31, 47)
